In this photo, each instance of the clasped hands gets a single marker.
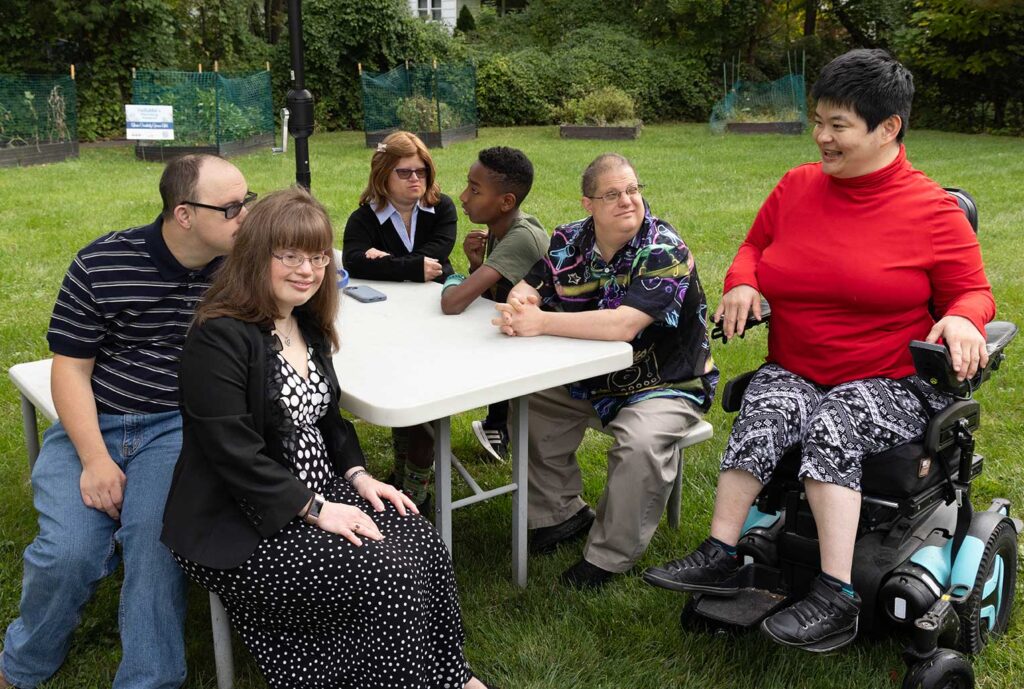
(351, 522)
(431, 266)
(521, 316)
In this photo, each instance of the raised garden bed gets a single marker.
(225, 150)
(765, 127)
(431, 139)
(37, 154)
(604, 133)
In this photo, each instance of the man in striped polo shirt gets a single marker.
(103, 473)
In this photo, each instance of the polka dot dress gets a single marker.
(317, 612)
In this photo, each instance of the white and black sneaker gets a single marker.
(493, 440)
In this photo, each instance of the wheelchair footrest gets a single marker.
(746, 609)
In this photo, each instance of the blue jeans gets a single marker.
(76, 548)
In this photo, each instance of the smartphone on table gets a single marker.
(364, 294)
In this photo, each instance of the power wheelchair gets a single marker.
(925, 561)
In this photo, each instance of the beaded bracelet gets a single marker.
(352, 477)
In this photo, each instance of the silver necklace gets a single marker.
(287, 337)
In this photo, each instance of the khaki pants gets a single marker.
(641, 468)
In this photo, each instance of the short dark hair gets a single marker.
(600, 165)
(872, 83)
(511, 167)
(179, 179)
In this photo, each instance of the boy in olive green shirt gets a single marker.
(499, 258)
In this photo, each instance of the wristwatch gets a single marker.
(313, 513)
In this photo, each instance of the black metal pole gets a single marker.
(299, 100)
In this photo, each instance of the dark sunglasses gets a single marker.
(231, 210)
(407, 172)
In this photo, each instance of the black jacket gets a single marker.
(232, 486)
(435, 237)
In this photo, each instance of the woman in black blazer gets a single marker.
(404, 229)
(326, 573)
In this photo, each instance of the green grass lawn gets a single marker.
(545, 636)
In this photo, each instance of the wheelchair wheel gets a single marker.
(946, 669)
(986, 610)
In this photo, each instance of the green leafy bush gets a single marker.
(606, 106)
(532, 85)
(507, 93)
(420, 114)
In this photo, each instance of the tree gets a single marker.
(973, 51)
(340, 35)
(465, 22)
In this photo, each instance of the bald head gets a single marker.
(186, 176)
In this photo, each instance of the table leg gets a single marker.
(519, 465)
(443, 479)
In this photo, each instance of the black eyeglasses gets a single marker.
(231, 210)
(407, 172)
(613, 196)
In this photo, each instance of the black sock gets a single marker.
(730, 550)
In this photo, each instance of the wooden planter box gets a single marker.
(586, 131)
(37, 154)
(156, 152)
(431, 139)
(765, 127)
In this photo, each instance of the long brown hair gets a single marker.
(286, 219)
(396, 146)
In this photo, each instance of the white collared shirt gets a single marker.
(389, 212)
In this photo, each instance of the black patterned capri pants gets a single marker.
(836, 426)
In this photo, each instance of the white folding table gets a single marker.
(403, 362)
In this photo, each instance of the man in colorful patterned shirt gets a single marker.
(619, 274)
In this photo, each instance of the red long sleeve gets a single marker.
(849, 267)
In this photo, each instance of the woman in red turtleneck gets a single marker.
(852, 253)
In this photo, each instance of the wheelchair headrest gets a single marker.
(967, 205)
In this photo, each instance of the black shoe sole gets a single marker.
(723, 590)
(832, 642)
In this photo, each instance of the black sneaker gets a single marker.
(546, 540)
(493, 440)
(584, 575)
(708, 569)
(823, 621)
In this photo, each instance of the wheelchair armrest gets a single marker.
(766, 314)
(732, 395)
(934, 365)
(941, 431)
(998, 334)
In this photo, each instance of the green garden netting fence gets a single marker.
(38, 119)
(213, 112)
(777, 106)
(437, 102)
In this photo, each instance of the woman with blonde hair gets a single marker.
(326, 573)
(404, 229)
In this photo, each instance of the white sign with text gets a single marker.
(149, 122)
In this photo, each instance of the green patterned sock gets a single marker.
(416, 482)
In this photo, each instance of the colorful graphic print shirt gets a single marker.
(654, 273)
